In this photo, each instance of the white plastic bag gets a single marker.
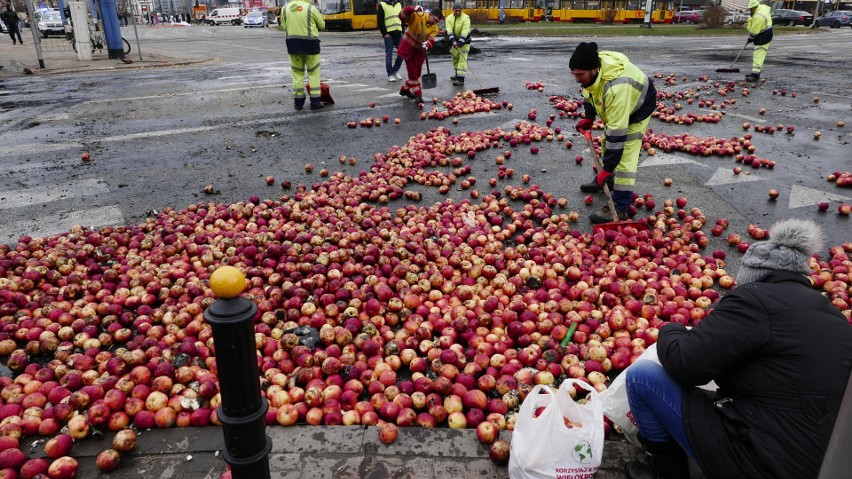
(614, 399)
(544, 447)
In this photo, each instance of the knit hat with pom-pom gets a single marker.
(789, 248)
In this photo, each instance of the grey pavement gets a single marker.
(317, 452)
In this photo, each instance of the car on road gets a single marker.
(50, 23)
(835, 19)
(688, 16)
(736, 16)
(256, 19)
(791, 18)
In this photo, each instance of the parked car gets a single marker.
(50, 23)
(836, 19)
(256, 19)
(688, 16)
(791, 18)
(736, 17)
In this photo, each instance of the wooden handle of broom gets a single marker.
(588, 135)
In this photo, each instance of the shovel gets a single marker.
(731, 69)
(429, 80)
(615, 224)
(325, 94)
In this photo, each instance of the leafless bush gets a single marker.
(714, 17)
(478, 17)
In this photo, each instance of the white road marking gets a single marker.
(745, 117)
(36, 147)
(188, 93)
(661, 159)
(520, 59)
(53, 117)
(726, 176)
(375, 88)
(821, 93)
(58, 223)
(351, 85)
(389, 95)
(801, 196)
(510, 125)
(48, 193)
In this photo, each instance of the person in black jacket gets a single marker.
(11, 19)
(779, 352)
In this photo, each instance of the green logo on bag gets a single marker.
(582, 452)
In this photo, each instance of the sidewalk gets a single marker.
(17, 59)
(319, 452)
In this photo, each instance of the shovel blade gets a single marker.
(325, 95)
(429, 80)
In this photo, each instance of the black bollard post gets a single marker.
(242, 410)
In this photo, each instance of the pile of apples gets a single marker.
(462, 103)
(435, 315)
(841, 178)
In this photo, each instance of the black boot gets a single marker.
(458, 81)
(604, 216)
(752, 77)
(316, 104)
(299, 103)
(591, 187)
(667, 461)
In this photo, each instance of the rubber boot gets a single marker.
(752, 77)
(299, 103)
(604, 216)
(316, 104)
(667, 461)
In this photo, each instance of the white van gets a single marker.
(224, 16)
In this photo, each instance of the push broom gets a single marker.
(731, 69)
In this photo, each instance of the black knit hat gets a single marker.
(585, 57)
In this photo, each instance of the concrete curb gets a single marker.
(316, 452)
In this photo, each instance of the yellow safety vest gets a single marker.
(458, 28)
(302, 23)
(760, 21)
(391, 12)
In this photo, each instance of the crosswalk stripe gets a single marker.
(58, 223)
(39, 147)
(48, 193)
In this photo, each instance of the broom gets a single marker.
(731, 69)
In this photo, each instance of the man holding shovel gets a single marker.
(624, 98)
(760, 33)
(458, 33)
(419, 37)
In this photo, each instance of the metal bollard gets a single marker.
(242, 410)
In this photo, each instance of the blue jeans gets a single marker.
(655, 402)
(392, 42)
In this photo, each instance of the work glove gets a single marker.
(602, 177)
(750, 39)
(426, 46)
(456, 45)
(585, 124)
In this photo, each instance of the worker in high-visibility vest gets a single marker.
(623, 97)
(302, 22)
(759, 28)
(419, 37)
(458, 33)
(390, 26)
